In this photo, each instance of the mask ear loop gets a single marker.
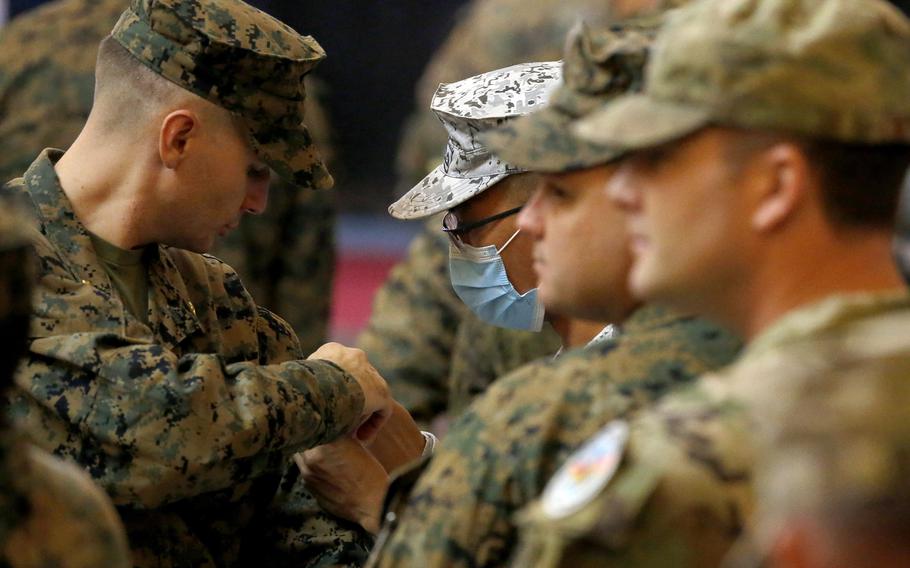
(515, 234)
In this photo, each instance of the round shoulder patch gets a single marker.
(586, 472)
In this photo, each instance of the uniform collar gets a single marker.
(824, 315)
(174, 315)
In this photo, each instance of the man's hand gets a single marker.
(399, 442)
(377, 404)
(346, 480)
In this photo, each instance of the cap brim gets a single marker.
(438, 192)
(544, 141)
(293, 155)
(636, 122)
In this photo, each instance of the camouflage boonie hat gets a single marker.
(466, 109)
(598, 67)
(238, 58)
(833, 69)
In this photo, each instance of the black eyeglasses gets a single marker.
(457, 231)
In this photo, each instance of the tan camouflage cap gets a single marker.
(598, 67)
(834, 69)
(466, 109)
(241, 59)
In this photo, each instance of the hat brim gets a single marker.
(637, 122)
(293, 155)
(544, 141)
(438, 192)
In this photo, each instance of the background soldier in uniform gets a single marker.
(51, 514)
(779, 129)
(435, 354)
(150, 364)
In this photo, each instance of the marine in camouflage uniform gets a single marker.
(416, 318)
(47, 74)
(188, 419)
(679, 487)
(499, 454)
(51, 514)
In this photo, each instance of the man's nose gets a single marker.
(529, 217)
(257, 197)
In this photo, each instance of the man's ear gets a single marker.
(176, 130)
(782, 178)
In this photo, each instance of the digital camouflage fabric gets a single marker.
(499, 454)
(835, 70)
(47, 73)
(489, 34)
(412, 328)
(189, 418)
(598, 66)
(254, 66)
(51, 515)
(466, 109)
(684, 492)
(483, 353)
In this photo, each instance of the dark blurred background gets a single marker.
(376, 52)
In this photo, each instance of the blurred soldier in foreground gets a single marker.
(499, 453)
(150, 364)
(47, 75)
(834, 485)
(51, 514)
(763, 165)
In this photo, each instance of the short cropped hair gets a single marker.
(861, 183)
(126, 91)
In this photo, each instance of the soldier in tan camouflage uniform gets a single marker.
(767, 152)
(51, 515)
(47, 74)
(833, 481)
(150, 364)
(499, 453)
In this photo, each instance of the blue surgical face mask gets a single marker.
(480, 280)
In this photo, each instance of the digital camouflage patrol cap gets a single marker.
(833, 69)
(240, 59)
(466, 109)
(598, 67)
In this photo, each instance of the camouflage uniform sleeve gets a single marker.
(412, 328)
(69, 524)
(680, 497)
(154, 426)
